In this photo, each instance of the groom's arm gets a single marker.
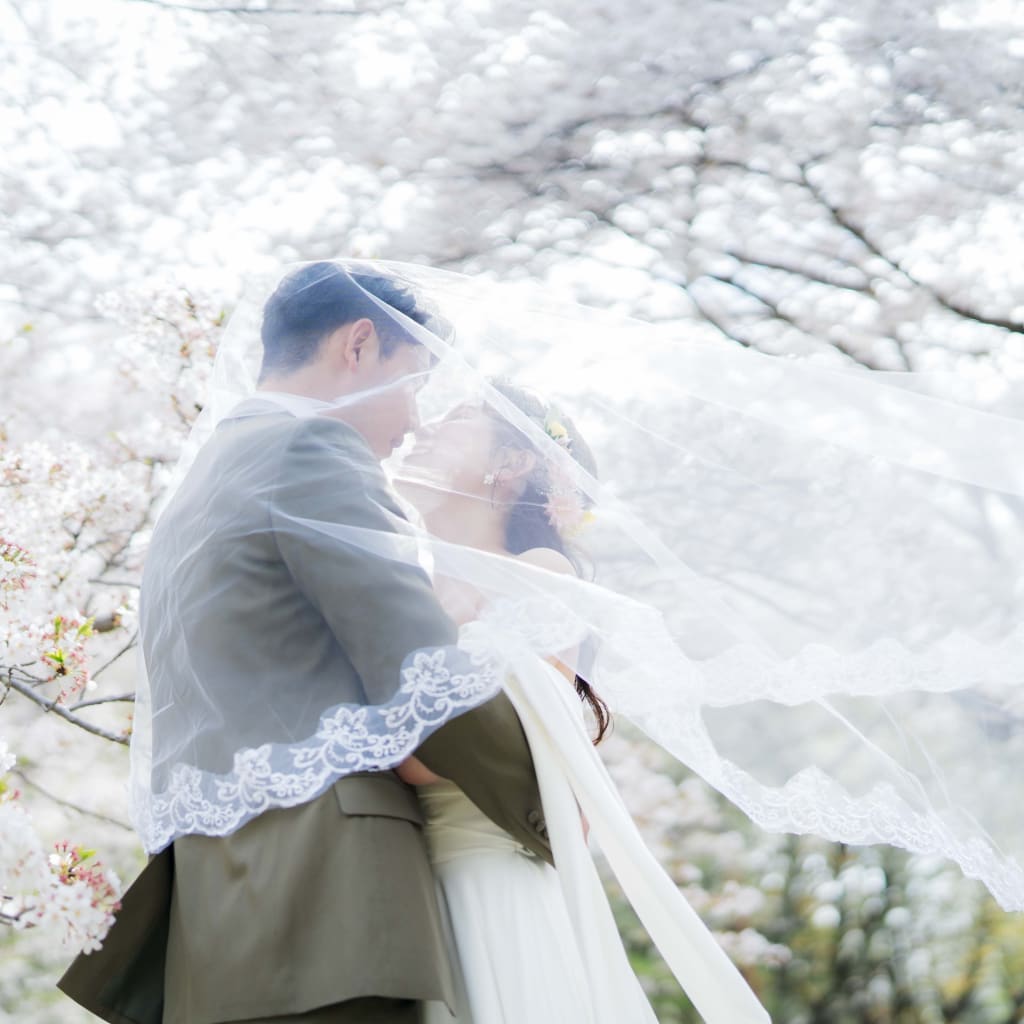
(330, 497)
(485, 753)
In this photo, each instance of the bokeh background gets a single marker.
(837, 180)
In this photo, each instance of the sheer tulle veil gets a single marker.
(802, 582)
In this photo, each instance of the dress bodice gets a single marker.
(456, 827)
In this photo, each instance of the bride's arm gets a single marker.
(548, 558)
(416, 773)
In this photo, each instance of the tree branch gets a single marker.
(124, 650)
(65, 803)
(13, 920)
(807, 275)
(127, 697)
(853, 229)
(62, 712)
(774, 310)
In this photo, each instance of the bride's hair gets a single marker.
(529, 522)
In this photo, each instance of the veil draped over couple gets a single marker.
(430, 538)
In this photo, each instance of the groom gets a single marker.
(325, 912)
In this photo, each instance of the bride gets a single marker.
(517, 956)
(532, 942)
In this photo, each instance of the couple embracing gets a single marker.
(361, 763)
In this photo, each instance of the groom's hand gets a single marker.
(485, 753)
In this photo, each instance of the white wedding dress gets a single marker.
(532, 945)
(516, 956)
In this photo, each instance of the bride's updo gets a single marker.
(541, 517)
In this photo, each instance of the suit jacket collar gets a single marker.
(282, 403)
(262, 402)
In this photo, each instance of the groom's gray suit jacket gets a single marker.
(334, 899)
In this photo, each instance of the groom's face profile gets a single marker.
(376, 389)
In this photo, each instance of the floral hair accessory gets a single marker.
(564, 508)
(557, 431)
(566, 513)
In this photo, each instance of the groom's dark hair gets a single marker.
(318, 298)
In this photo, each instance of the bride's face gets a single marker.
(453, 454)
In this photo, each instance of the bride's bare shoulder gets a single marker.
(547, 558)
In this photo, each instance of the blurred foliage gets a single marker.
(871, 935)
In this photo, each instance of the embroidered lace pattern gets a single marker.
(436, 686)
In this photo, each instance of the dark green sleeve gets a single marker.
(330, 495)
(485, 753)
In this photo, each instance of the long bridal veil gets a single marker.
(802, 582)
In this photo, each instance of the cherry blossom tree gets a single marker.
(810, 177)
(73, 527)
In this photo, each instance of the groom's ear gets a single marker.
(354, 346)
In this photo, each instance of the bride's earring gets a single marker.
(492, 480)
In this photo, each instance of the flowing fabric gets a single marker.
(542, 945)
(802, 582)
(706, 974)
(573, 779)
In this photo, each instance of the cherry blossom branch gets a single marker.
(62, 712)
(115, 699)
(716, 322)
(43, 791)
(30, 677)
(863, 287)
(773, 308)
(13, 920)
(124, 650)
(951, 305)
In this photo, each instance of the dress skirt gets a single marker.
(517, 959)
